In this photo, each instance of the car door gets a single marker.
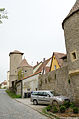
(40, 98)
(43, 98)
(46, 98)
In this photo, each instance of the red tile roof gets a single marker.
(43, 65)
(47, 69)
(36, 65)
(24, 63)
(4, 83)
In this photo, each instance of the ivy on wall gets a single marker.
(20, 75)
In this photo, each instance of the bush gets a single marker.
(55, 109)
(66, 104)
(49, 107)
(12, 94)
(62, 109)
(75, 110)
(72, 105)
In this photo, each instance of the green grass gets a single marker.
(12, 94)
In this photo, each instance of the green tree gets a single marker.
(3, 14)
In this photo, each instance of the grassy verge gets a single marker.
(12, 94)
(51, 115)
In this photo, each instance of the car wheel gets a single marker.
(55, 103)
(35, 102)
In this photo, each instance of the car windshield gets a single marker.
(54, 94)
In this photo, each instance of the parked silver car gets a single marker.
(47, 97)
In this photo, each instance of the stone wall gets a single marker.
(61, 83)
(18, 86)
(75, 87)
(71, 32)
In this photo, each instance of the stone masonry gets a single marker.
(65, 81)
(15, 59)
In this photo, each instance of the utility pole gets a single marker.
(22, 85)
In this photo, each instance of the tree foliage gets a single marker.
(3, 14)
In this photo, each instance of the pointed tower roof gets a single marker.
(24, 63)
(74, 9)
(16, 52)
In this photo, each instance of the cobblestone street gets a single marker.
(11, 109)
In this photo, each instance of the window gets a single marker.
(25, 70)
(73, 56)
(40, 93)
(28, 89)
(34, 93)
(55, 67)
(45, 93)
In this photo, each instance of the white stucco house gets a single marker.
(30, 83)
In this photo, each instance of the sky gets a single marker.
(33, 27)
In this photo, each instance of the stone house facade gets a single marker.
(25, 68)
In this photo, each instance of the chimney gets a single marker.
(37, 62)
(43, 66)
(43, 59)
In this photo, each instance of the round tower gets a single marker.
(71, 32)
(15, 59)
